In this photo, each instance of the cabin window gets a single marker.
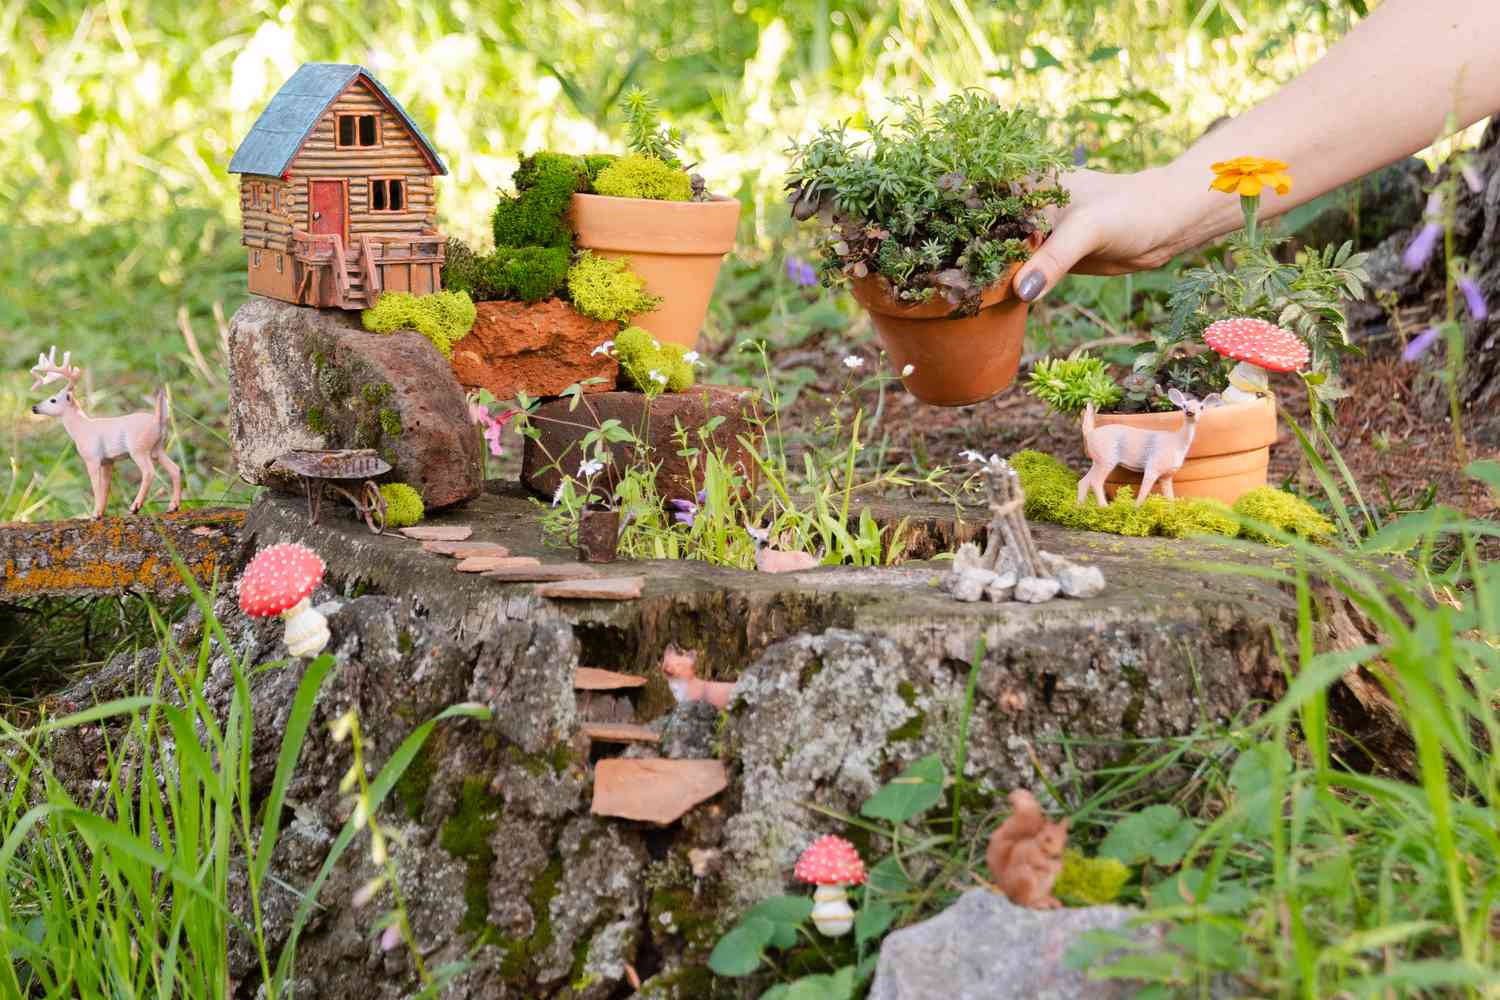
(387, 194)
(358, 130)
(280, 263)
(256, 255)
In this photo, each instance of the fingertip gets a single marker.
(1030, 284)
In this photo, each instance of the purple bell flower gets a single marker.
(801, 272)
(1419, 250)
(1478, 308)
(1420, 344)
(686, 511)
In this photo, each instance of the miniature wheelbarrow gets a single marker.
(348, 472)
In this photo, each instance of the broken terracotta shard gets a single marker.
(619, 732)
(438, 533)
(655, 791)
(466, 550)
(595, 679)
(612, 588)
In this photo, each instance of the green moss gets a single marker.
(1293, 515)
(691, 982)
(592, 164)
(390, 423)
(640, 355)
(404, 644)
(403, 505)
(466, 835)
(607, 289)
(638, 176)
(317, 421)
(1090, 881)
(1052, 495)
(913, 727)
(442, 317)
(536, 215)
(411, 790)
(376, 393)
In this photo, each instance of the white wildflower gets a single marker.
(691, 357)
(657, 377)
(378, 853)
(603, 348)
(589, 469)
(341, 726)
(558, 493)
(854, 362)
(908, 370)
(970, 455)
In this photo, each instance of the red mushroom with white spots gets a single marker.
(831, 863)
(1259, 347)
(279, 581)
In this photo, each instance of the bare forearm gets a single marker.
(1385, 91)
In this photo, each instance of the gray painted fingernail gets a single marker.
(1031, 285)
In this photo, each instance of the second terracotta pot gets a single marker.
(675, 246)
(955, 360)
(1230, 453)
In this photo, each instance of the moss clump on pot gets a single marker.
(1052, 495)
(607, 289)
(1090, 881)
(403, 505)
(442, 317)
(638, 176)
(652, 366)
(1280, 509)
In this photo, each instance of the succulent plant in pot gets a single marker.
(926, 219)
(646, 207)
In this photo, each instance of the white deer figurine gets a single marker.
(1156, 455)
(100, 441)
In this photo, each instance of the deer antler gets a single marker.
(47, 369)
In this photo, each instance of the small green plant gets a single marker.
(638, 176)
(1067, 385)
(652, 366)
(605, 288)
(403, 505)
(645, 135)
(442, 317)
(939, 202)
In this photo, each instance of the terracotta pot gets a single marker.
(675, 246)
(955, 360)
(1229, 455)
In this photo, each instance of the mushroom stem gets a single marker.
(1246, 382)
(306, 629)
(831, 913)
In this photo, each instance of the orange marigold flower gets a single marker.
(1246, 175)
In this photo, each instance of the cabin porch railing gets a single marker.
(315, 250)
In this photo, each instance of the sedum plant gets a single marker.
(941, 201)
(1067, 385)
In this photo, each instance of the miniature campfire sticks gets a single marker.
(1025, 854)
(1157, 455)
(831, 863)
(1011, 567)
(279, 581)
(101, 440)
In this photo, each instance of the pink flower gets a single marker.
(478, 413)
(492, 429)
(390, 937)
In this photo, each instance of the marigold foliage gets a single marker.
(1091, 881)
(606, 288)
(1052, 495)
(638, 176)
(403, 505)
(442, 317)
(1067, 385)
(640, 354)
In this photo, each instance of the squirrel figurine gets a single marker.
(681, 668)
(1025, 854)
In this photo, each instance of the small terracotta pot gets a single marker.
(955, 360)
(1230, 451)
(675, 246)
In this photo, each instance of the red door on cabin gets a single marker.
(327, 205)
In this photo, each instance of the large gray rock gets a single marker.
(302, 378)
(984, 947)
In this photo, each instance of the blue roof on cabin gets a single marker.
(281, 129)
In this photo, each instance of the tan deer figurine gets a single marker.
(101, 440)
(1156, 455)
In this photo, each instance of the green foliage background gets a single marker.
(116, 213)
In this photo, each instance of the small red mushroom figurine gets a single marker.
(1259, 347)
(831, 863)
(279, 581)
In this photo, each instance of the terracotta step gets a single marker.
(655, 791)
(595, 679)
(619, 732)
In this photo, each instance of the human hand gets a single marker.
(1112, 224)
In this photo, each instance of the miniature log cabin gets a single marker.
(336, 193)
